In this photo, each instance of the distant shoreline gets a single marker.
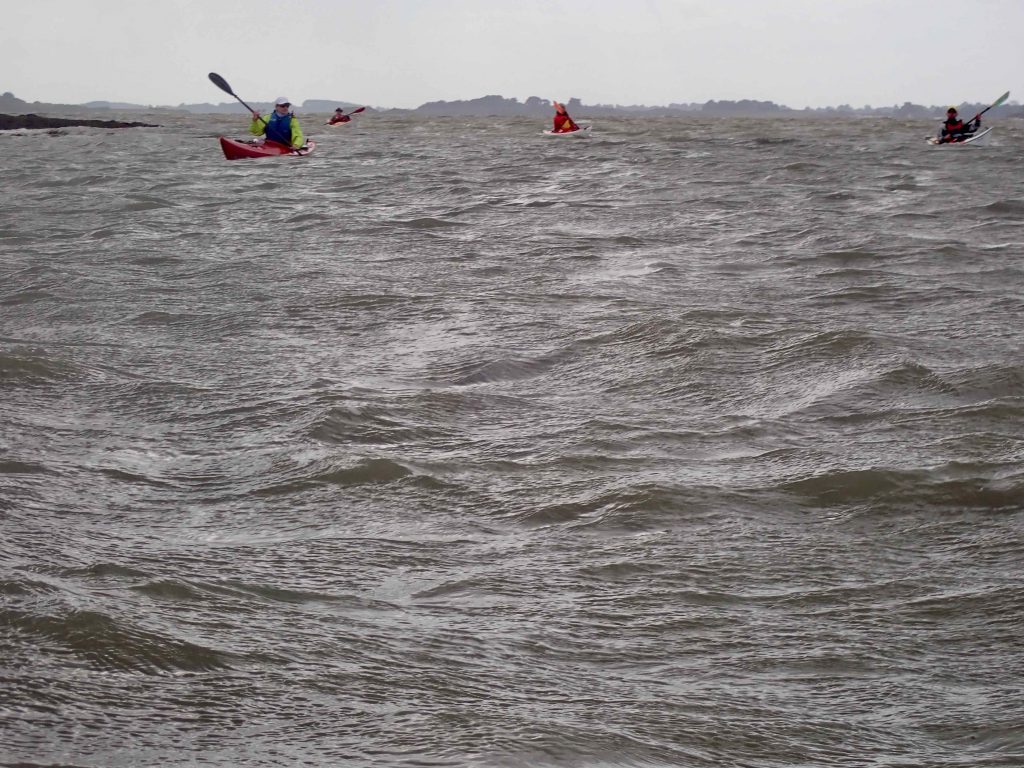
(500, 106)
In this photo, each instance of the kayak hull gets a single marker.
(581, 132)
(236, 149)
(980, 139)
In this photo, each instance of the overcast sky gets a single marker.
(402, 53)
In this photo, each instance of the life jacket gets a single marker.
(954, 125)
(279, 128)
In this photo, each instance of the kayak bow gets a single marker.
(583, 130)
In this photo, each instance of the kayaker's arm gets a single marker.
(298, 139)
(258, 124)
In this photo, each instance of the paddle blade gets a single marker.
(993, 105)
(221, 83)
(363, 109)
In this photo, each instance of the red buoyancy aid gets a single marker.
(954, 124)
(563, 123)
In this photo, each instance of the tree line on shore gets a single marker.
(534, 106)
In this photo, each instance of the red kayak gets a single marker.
(235, 149)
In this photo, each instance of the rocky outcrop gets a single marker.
(8, 122)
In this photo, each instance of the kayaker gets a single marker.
(282, 126)
(954, 128)
(339, 117)
(562, 122)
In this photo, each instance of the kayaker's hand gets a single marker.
(255, 115)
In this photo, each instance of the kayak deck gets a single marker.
(582, 131)
(238, 149)
(977, 138)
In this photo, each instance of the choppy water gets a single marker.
(688, 444)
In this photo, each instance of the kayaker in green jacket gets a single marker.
(282, 126)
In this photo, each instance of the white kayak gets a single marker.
(977, 138)
(582, 131)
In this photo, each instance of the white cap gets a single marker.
(281, 100)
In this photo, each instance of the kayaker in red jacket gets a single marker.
(562, 122)
(282, 126)
(954, 128)
(339, 117)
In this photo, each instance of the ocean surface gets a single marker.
(690, 443)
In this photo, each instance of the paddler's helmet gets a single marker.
(951, 111)
(282, 101)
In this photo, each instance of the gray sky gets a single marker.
(402, 53)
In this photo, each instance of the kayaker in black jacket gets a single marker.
(954, 129)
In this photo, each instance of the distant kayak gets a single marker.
(235, 149)
(977, 138)
(337, 119)
(583, 130)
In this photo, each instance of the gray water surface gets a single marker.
(687, 444)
